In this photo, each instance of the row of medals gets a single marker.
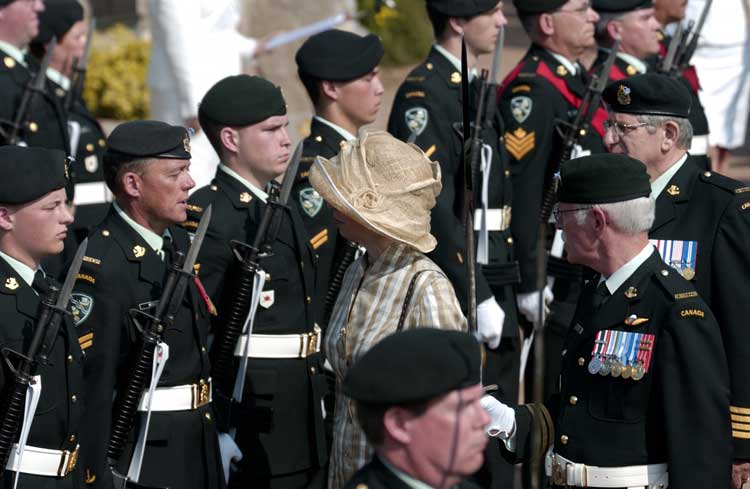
(609, 365)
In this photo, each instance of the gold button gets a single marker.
(509, 240)
(573, 400)
(507, 173)
(581, 361)
(105, 232)
(429, 66)
(318, 138)
(564, 439)
(201, 382)
(707, 174)
(89, 147)
(70, 358)
(308, 299)
(203, 349)
(102, 143)
(73, 398)
(214, 188)
(664, 272)
(72, 438)
(362, 486)
(208, 416)
(33, 126)
(312, 370)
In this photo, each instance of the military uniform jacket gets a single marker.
(536, 94)
(715, 211)
(121, 272)
(429, 102)
(59, 414)
(46, 124)
(375, 475)
(279, 421)
(316, 214)
(676, 414)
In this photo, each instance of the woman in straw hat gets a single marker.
(382, 191)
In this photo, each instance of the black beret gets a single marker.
(602, 179)
(339, 55)
(3, 3)
(649, 93)
(620, 6)
(149, 139)
(533, 7)
(241, 100)
(462, 8)
(57, 19)
(30, 173)
(415, 365)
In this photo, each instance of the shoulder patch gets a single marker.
(417, 119)
(415, 94)
(310, 201)
(692, 312)
(521, 88)
(93, 261)
(741, 190)
(80, 307)
(86, 278)
(521, 107)
(724, 182)
(685, 295)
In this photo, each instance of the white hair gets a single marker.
(684, 139)
(630, 216)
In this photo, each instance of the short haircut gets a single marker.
(684, 140)
(630, 216)
(312, 85)
(213, 133)
(439, 21)
(601, 33)
(370, 417)
(115, 164)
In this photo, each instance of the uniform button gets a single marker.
(362, 486)
(707, 174)
(201, 382)
(72, 438)
(302, 264)
(318, 139)
(203, 349)
(507, 173)
(564, 439)
(90, 147)
(308, 299)
(70, 358)
(312, 370)
(105, 233)
(73, 398)
(573, 400)
(208, 416)
(509, 240)
(581, 361)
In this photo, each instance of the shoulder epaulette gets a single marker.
(724, 182)
(676, 287)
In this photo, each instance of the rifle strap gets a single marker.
(33, 393)
(407, 299)
(259, 280)
(483, 246)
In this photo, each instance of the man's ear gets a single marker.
(397, 424)
(614, 30)
(230, 139)
(456, 25)
(131, 184)
(546, 24)
(671, 135)
(6, 219)
(329, 89)
(600, 220)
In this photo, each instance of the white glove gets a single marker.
(490, 318)
(502, 418)
(528, 304)
(230, 452)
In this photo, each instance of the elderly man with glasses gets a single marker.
(702, 225)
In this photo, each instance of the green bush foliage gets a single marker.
(406, 31)
(116, 79)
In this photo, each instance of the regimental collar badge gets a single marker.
(456, 77)
(631, 70)
(245, 197)
(631, 293)
(11, 283)
(673, 190)
(561, 70)
(186, 143)
(623, 95)
(139, 251)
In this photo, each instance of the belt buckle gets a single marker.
(559, 474)
(201, 394)
(312, 341)
(68, 462)
(506, 217)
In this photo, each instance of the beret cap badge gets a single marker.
(623, 95)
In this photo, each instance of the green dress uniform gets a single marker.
(46, 124)
(58, 420)
(675, 414)
(429, 102)
(122, 272)
(279, 420)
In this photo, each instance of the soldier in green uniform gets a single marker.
(33, 222)
(340, 73)
(279, 420)
(643, 398)
(702, 225)
(428, 109)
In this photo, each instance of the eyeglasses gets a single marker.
(582, 10)
(556, 211)
(621, 128)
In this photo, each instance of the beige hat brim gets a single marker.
(327, 185)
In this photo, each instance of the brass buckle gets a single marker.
(201, 393)
(312, 342)
(507, 215)
(559, 474)
(68, 462)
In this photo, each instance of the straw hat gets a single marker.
(385, 184)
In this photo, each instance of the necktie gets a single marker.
(40, 284)
(600, 295)
(166, 250)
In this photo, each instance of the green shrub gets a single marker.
(116, 78)
(406, 31)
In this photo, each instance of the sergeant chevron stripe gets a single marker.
(519, 143)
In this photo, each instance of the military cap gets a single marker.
(533, 7)
(462, 8)
(413, 366)
(620, 6)
(30, 173)
(602, 179)
(338, 55)
(3, 3)
(649, 93)
(57, 19)
(241, 100)
(149, 139)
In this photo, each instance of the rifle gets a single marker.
(687, 53)
(33, 88)
(127, 400)
(79, 69)
(683, 44)
(24, 367)
(236, 319)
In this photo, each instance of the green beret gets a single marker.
(30, 173)
(339, 55)
(57, 19)
(149, 139)
(533, 7)
(241, 100)
(602, 179)
(462, 8)
(620, 6)
(413, 366)
(650, 93)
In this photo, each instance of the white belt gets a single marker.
(497, 219)
(280, 345)
(699, 146)
(179, 398)
(92, 193)
(43, 461)
(567, 473)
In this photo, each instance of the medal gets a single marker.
(609, 346)
(616, 369)
(627, 372)
(594, 365)
(638, 372)
(606, 368)
(596, 361)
